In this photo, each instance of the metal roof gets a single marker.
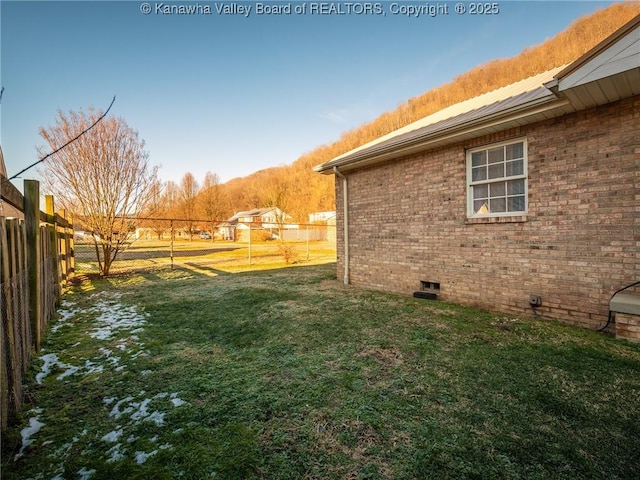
(528, 93)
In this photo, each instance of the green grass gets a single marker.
(288, 374)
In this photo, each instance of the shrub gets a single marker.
(289, 253)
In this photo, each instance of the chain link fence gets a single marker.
(167, 244)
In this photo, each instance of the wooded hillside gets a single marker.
(298, 190)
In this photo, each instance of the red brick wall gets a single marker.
(578, 243)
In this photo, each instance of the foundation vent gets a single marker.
(428, 290)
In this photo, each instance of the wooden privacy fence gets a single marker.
(36, 261)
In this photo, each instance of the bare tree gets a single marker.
(104, 177)
(171, 198)
(157, 210)
(212, 200)
(275, 192)
(187, 194)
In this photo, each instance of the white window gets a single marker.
(497, 179)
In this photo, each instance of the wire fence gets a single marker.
(226, 248)
(36, 254)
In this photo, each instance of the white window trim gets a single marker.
(470, 184)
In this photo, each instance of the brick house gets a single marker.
(527, 194)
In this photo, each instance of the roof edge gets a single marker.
(401, 148)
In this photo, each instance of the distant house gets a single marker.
(323, 226)
(265, 222)
(522, 200)
(319, 217)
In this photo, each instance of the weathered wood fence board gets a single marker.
(37, 259)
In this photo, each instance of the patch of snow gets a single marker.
(34, 427)
(156, 417)
(142, 457)
(65, 313)
(142, 409)
(105, 352)
(112, 436)
(145, 372)
(91, 367)
(55, 327)
(116, 412)
(113, 316)
(50, 359)
(177, 401)
(71, 370)
(85, 474)
(137, 354)
(114, 454)
(63, 450)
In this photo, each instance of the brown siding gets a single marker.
(578, 243)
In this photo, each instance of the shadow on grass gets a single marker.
(146, 254)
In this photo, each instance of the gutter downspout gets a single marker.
(345, 222)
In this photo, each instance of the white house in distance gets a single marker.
(326, 225)
(318, 217)
(267, 220)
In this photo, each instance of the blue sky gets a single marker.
(232, 94)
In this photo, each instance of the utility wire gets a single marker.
(68, 143)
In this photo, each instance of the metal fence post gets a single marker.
(171, 244)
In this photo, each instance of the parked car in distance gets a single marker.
(205, 235)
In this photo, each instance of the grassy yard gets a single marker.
(288, 374)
